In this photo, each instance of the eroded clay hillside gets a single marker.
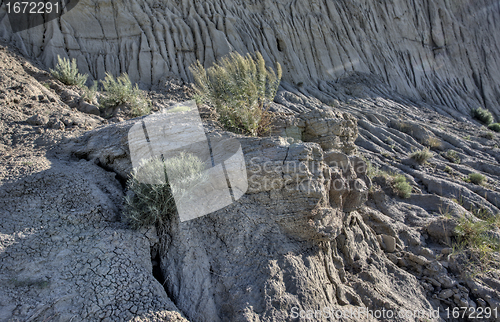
(446, 51)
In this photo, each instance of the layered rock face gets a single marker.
(444, 51)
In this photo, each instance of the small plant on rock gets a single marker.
(476, 241)
(451, 155)
(494, 127)
(151, 198)
(403, 127)
(476, 178)
(482, 115)
(421, 156)
(489, 135)
(433, 142)
(120, 91)
(66, 71)
(240, 88)
(371, 170)
(89, 93)
(401, 187)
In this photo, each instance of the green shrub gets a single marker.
(66, 71)
(240, 88)
(89, 93)
(494, 127)
(421, 156)
(448, 169)
(476, 178)
(120, 91)
(451, 155)
(401, 187)
(148, 204)
(476, 238)
(483, 115)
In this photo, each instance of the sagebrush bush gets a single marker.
(240, 88)
(433, 142)
(452, 156)
(482, 115)
(476, 178)
(120, 91)
(148, 204)
(66, 72)
(421, 156)
(401, 187)
(89, 93)
(494, 127)
(476, 239)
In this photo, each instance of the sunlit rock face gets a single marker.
(443, 51)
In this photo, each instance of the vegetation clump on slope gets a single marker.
(476, 178)
(397, 182)
(240, 88)
(421, 156)
(452, 155)
(120, 91)
(66, 71)
(476, 241)
(401, 187)
(151, 198)
(482, 115)
(494, 127)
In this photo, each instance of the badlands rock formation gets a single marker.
(290, 247)
(445, 51)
